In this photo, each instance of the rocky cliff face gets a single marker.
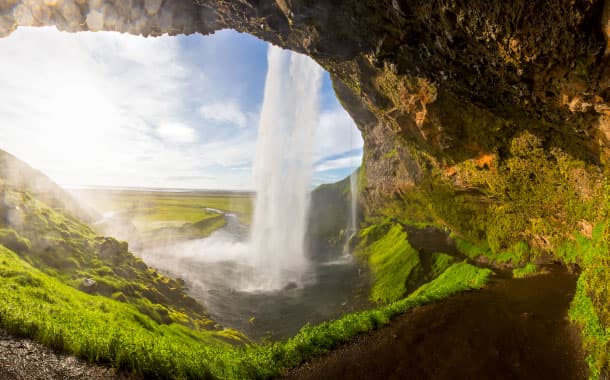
(441, 90)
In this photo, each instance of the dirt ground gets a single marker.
(22, 359)
(512, 329)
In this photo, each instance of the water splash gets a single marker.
(283, 168)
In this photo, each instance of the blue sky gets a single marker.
(108, 109)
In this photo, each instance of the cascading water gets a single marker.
(283, 168)
(352, 227)
(245, 279)
(353, 189)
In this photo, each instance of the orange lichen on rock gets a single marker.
(450, 171)
(485, 161)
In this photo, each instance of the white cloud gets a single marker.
(228, 112)
(100, 109)
(177, 133)
(352, 161)
(336, 134)
(120, 110)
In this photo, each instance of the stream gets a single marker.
(511, 329)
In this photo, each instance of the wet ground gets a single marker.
(512, 329)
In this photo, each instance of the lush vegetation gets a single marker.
(512, 205)
(100, 329)
(63, 247)
(397, 268)
(590, 307)
(151, 211)
(528, 270)
(395, 265)
(537, 198)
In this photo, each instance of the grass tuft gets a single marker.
(527, 270)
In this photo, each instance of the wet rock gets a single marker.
(88, 285)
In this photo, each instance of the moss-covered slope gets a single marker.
(54, 241)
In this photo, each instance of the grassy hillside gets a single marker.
(329, 216)
(75, 291)
(60, 245)
(15, 174)
(101, 329)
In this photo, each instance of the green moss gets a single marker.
(468, 276)
(440, 262)
(596, 336)
(395, 264)
(528, 270)
(13, 241)
(472, 251)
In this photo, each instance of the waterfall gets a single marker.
(283, 168)
(353, 190)
(352, 226)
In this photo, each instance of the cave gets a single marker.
(490, 121)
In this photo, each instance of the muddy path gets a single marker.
(512, 329)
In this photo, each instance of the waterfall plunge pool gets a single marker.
(219, 275)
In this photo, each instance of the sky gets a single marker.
(107, 109)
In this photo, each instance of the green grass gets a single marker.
(596, 336)
(54, 242)
(440, 262)
(517, 254)
(394, 263)
(101, 329)
(145, 207)
(458, 277)
(590, 307)
(527, 270)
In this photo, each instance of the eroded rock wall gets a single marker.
(445, 92)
